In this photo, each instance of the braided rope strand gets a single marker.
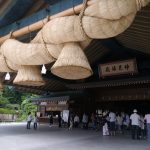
(80, 18)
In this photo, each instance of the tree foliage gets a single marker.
(3, 100)
(26, 107)
(13, 96)
(12, 101)
(7, 111)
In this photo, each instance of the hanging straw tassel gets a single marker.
(29, 76)
(72, 63)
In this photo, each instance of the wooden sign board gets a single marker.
(56, 107)
(118, 68)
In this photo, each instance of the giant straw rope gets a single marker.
(63, 40)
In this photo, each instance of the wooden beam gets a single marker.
(38, 25)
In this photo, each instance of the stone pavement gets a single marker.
(16, 137)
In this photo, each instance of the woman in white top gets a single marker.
(29, 119)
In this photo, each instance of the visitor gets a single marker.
(142, 127)
(125, 122)
(85, 121)
(119, 121)
(99, 121)
(35, 121)
(76, 121)
(71, 122)
(59, 120)
(50, 120)
(147, 118)
(93, 119)
(29, 119)
(105, 129)
(112, 120)
(135, 123)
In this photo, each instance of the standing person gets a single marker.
(123, 122)
(127, 121)
(93, 119)
(76, 121)
(85, 121)
(142, 127)
(135, 123)
(35, 121)
(147, 118)
(119, 121)
(59, 120)
(105, 128)
(112, 120)
(29, 119)
(51, 120)
(71, 123)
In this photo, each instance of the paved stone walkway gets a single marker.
(16, 137)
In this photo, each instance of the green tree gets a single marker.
(15, 101)
(3, 100)
(26, 107)
(5, 106)
(12, 95)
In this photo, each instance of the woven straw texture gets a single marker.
(72, 63)
(13, 66)
(63, 29)
(105, 15)
(103, 28)
(58, 47)
(53, 49)
(111, 9)
(29, 76)
(4, 67)
(26, 54)
(67, 29)
(65, 38)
